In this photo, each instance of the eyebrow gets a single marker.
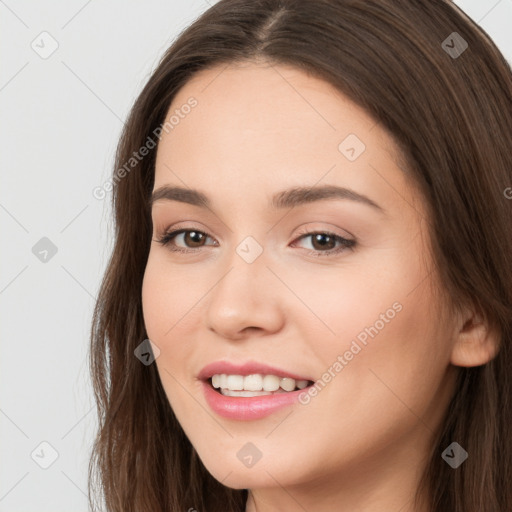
(285, 199)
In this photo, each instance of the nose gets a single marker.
(246, 300)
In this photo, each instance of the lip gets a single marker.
(247, 368)
(247, 408)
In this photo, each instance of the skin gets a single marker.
(362, 442)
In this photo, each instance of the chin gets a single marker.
(245, 478)
(235, 475)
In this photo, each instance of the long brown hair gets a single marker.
(449, 108)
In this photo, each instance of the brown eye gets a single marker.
(194, 238)
(191, 238)
(323, 241)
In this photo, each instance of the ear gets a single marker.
(475, 344)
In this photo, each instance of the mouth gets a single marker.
(250, 390)
(257, 402)
(254, 385)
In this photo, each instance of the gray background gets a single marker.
(61, 118)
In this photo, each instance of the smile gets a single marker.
(255, 384)
(250, 391)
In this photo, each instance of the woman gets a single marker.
(309, 301)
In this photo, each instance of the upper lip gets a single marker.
(247, 368)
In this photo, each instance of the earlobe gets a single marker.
(475, 343)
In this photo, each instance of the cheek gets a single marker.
(392, 366)
(348, 302)
(166, 304)
(170, 303)
(168, 298)
(381, 335)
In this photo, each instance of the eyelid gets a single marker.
(170, 234)
(182, 225)
(307, 229)
(304, 229)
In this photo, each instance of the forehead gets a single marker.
(272, 126)
(259, 99)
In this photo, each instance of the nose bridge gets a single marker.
(246, 268)
(243, 297)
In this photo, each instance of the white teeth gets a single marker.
(255, 383)
(230, 392)
(235, 382)
(288, 384)
(301, 384)
(270, 383)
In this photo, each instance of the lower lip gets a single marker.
(248, 408)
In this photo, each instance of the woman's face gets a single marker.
(359, 318)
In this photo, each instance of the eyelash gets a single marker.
(167, 238)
